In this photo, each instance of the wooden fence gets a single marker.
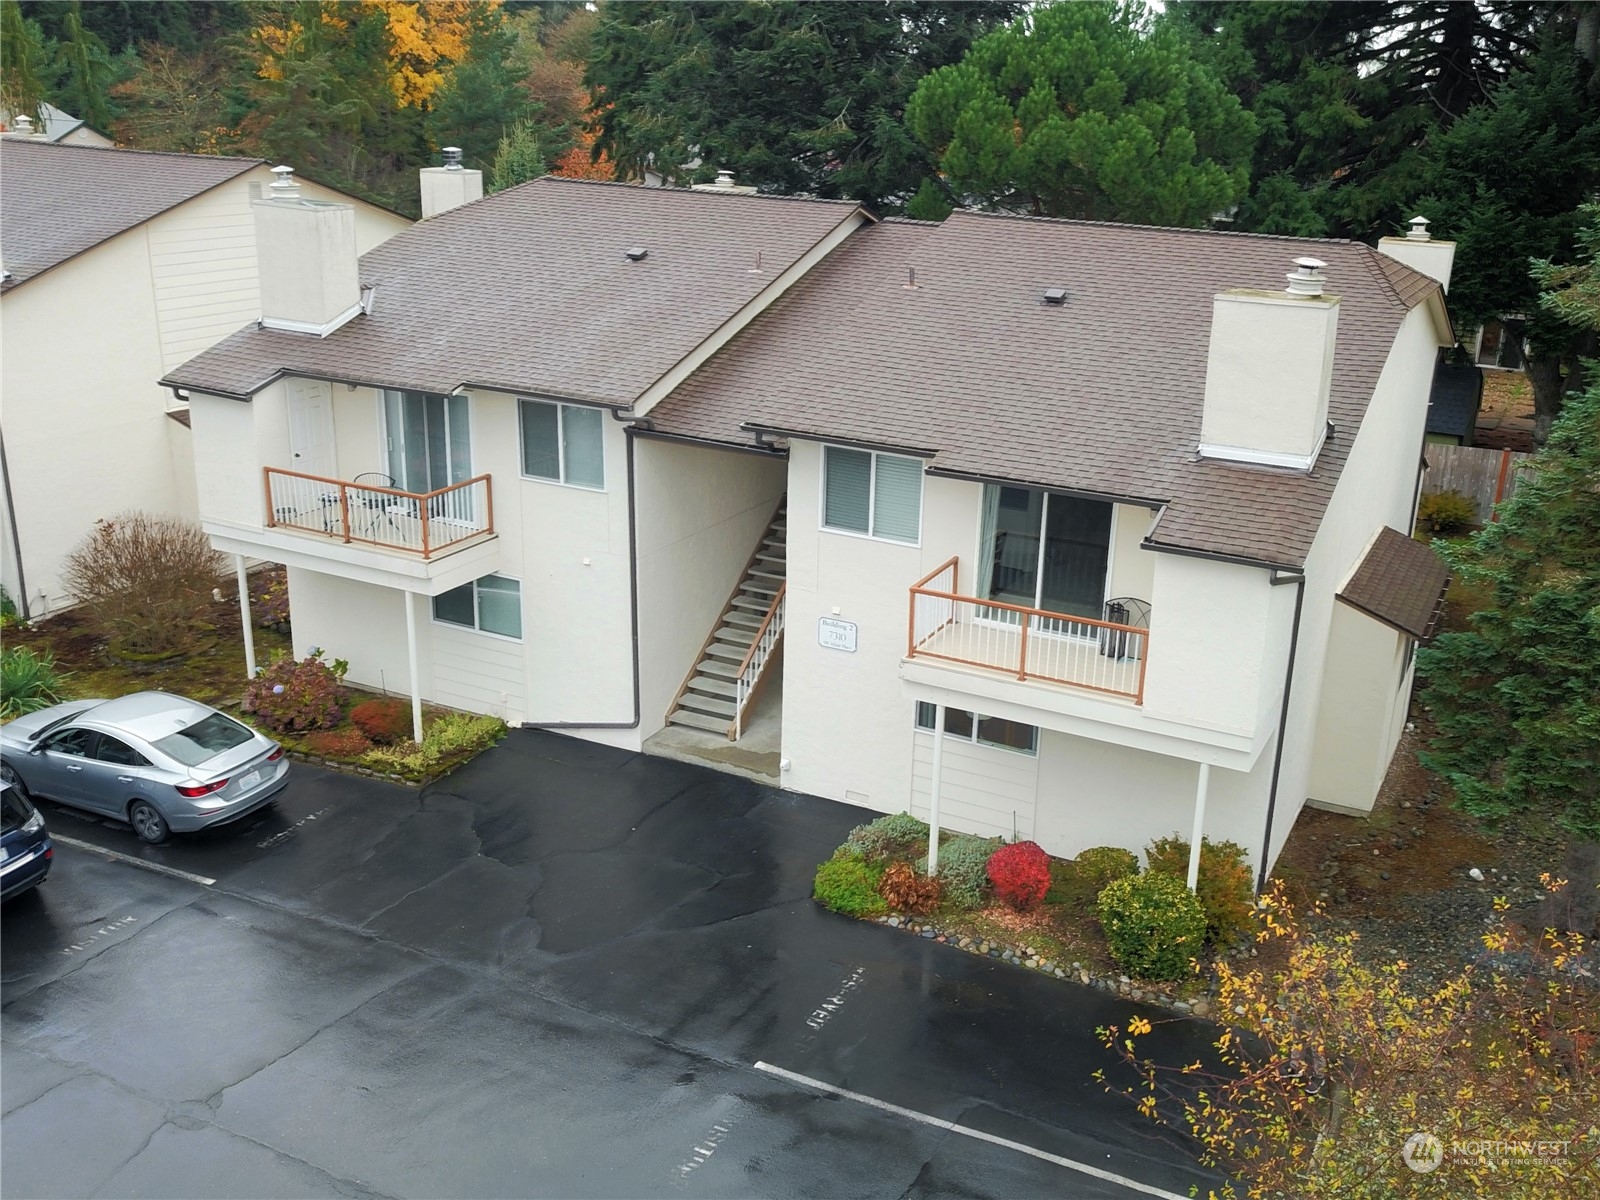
(1487, 476)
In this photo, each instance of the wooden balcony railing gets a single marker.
(420, 523)
(1025, 643)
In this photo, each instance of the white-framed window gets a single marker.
(428, 439)
(872, 494)
(964, 726)
(563, 443)
(492, 604)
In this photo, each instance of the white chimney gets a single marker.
(306, 253)
(449, 186)
(1269, 371)
(1420, 252)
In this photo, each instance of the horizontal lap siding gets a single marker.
(479, 673)
(982, 790)
(203, 261)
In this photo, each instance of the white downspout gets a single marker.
(1199, 824)
(933, 790)
(411, 660)
(244, 615)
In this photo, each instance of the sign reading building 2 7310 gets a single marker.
(836, 635)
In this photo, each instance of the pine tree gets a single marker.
(1516, 698)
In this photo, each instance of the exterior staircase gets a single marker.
(731, 665)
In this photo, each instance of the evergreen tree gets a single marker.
(480, 98)
(21, 59)
(791, 97)
(89, 71)
(1516, 699)
(1082, 110)
(521, 156)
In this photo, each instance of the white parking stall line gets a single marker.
(967, 1131)
(132, 861)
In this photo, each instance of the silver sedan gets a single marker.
(162, 763)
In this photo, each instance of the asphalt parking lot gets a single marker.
(563, 971)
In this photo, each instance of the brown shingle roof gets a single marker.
(1400, 582)
(1102, 395)
(57, 201)
(528, 290)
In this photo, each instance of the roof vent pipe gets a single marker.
(284, 186)
(1307, 278)
(1419, 229)
(452, 158)
(24, 125)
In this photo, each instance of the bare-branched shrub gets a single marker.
(144, 579)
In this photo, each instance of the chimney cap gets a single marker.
(1419, 229)
(452, 158)
(285, 186)
(1306, 279)
(635, 253)
(24, 124)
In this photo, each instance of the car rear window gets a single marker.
(204, 740)
(16, 811)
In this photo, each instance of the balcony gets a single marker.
(1025, 644)
(422, 525)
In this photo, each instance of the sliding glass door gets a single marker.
(1045, 550)
(430, 444)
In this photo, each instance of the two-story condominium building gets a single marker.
(1093, 533)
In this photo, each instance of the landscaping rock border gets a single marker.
(344, 768)
(1023, 955)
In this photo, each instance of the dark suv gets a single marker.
(25, 848)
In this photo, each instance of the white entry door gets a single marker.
(311, 428)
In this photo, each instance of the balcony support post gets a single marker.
(933, 790)
(411, 662)
(1200, 790)
(244, 616)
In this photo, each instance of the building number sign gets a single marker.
(836, 635)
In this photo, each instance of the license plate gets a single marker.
(246, 782)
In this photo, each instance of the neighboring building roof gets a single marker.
(58, 201)
(1455, 399)
(57, 124)
(1102, 395)
(529, 291)
(1400, 582)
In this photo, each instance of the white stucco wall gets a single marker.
(701, 512)
(1363, 702)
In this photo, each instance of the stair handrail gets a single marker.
(755, 659)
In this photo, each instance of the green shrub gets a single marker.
(1079, 883)
(848, 884)
(1225, 887)
(29, 681)
(1447, 512)
(964, 869)
(899, 835)
(1153, 924)
(451, 737)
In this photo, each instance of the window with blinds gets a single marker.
(877, 495)
(563, 443)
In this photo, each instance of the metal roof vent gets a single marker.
(1056, 296)
(1307, 278)
(1419, 229)
(452, 158)
(24, 124)
(635, 253)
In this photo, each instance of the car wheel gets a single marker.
(149, 824)
(14, 780)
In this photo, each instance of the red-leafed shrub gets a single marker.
(291, 697)
(337, 743)
(1020, 873)
(385, 721)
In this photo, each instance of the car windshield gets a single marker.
(16, 811)
(204, 740)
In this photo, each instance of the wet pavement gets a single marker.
(552, 974)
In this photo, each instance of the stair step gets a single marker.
(717, 668)
(761, 571)
(761, 584)
(707, 704)
(686, 716)
(775, 543)
(738, 616)
(733, 654)
(714, 687)
(735, 635)
(758, 604)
